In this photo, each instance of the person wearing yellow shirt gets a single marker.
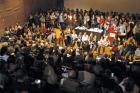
(59, 36)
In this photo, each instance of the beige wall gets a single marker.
(10, 11)
(13, 11)
(106, 5)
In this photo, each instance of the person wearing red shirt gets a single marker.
(44, 30)
(112, 34)
(102, 20)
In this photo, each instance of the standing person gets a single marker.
(70, 21)
(86, 19)
(79, 20)
(36, 20)
(58, 34)
(79, 39)
(74, 21)
(94, 22)
(61, 19)
(122, 31)
(31, 20)
(112, 34)
(68, 38)
(48, 20)
(66, 19)
(102, 20)
(106, 27)
(131, 26)
(53, 18)
(136, 28)
(42, 20)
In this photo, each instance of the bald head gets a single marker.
(24, 92)
(72, 74)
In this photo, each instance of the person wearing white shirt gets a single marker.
(122, 28)
(53, 18)
(85, 37)
(70, 21)
(86, 19)
(3, 54)
(106, 26)
(74, 35)
(70, 17)
(79, 37)
(42, 20)
(102, 44)
(4, 57)
(61, 18)
(98, 19)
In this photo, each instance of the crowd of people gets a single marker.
(47, 53)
